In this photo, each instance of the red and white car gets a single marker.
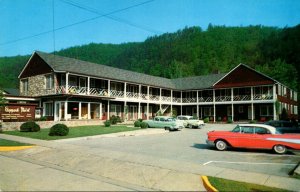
(254, 136)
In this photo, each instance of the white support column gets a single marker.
(89, 110)
(139, 111)
(198, 105)
(125, 115)
(171, 102)
(66, 110)
(67, 82)
(274, 103)
(140, 90)
(181, 103)
(251, 93)
(160, 99)
(108, 106)
(252, 111)
(108, 87)
(88, 84)
(148, 111)
(125, 90)
(232, 95)
(100, 111)
(214, 100)
(79, 110)
(232, 112)
(55, 83)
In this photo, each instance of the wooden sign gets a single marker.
(15, 112)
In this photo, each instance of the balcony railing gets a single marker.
(143, 96)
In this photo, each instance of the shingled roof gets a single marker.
(65, 64)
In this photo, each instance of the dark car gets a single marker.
(284, 126)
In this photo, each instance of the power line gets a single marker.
(77, 23)
(111, 17)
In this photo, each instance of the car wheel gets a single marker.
(221, 145)
(190, 126)
(280, 149)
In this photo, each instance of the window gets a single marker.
(236, 129)
(49, 81)
(24, 86)
(247, 130)
(115, 110)
(93, 83)
(208, 111)
(260, 130)
(266, 110)
(48, 107)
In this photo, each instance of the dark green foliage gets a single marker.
(284, 115)
(42, 119)
(140, 120)
(206, 120)
(107, 123)
(59, 130)
(229, 120)
(190, 52)
(137, 124)
(30, 126)
(253, 121)
(144, 125)
(113, 120)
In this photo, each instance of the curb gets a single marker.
(207, 185)
(14, 148)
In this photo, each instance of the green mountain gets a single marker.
(190, 52)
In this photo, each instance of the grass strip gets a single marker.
(80, 131)
(5, 143)
(230, 185)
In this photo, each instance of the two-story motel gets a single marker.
(70, 89)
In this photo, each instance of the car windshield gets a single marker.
(170, 119)
(236, 129)
(193, 118)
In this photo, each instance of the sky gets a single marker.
(52, 25)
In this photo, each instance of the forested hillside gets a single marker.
(190, 52)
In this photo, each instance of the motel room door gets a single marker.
(132, 112)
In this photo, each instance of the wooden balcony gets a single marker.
(75, 90)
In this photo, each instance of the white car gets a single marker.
(190, 121)
(165, 122)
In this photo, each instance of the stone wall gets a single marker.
(36, 86)
(11, 126)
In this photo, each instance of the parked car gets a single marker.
(168, 123)
(190, 121)
(284, 126)
(256, 136)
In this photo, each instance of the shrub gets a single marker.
(30, 126)
(206, 120)
(42, 119)
(229, 120)
(219, 119)
(144, 125)
(119, 120)
(107, 123)
(113, 120)
(59, 130)
(140, 120)
(253, 121)
(137, 124)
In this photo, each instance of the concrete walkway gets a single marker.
(54, 165)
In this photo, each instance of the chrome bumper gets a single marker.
(211, 143)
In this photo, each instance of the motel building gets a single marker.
(66, 89)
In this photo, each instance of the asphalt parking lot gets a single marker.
(188, 145)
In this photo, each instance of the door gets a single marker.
(132, 112)
(82, 85)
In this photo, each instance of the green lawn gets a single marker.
(229, 185)
(5, 143)
(80, 131)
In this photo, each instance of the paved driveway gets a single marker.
(188, 145)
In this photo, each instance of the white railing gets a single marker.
(205, 99)
(166, 99)
(242, 98)
(132, 95)
(115, 93)
(154, 97)
(262, 97)
(222, 98)
(189, 100)
(176, 100)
